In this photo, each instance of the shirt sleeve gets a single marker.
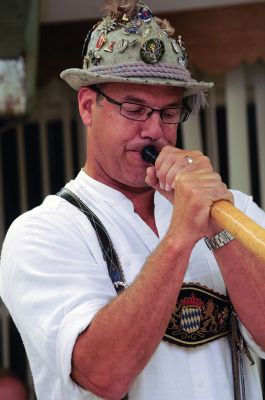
(250, 208)
(54, 280)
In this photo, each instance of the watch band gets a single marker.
(220, 240)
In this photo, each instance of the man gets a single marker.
(11, 388)
(85, 342)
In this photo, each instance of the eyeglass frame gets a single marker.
(184, 108)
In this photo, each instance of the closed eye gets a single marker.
(133, 108)
(171, 112)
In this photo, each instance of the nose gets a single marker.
(152, 127)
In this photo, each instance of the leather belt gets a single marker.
(200, 316)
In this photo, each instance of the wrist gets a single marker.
(219, 240)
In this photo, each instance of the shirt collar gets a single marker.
(89, 186)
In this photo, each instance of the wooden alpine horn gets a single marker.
(239, 225)
(230, 218)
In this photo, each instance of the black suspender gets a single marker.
(108, 251)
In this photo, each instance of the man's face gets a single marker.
(115, 142)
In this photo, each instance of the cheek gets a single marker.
(170, 134)
(111, 131)
(120, 129)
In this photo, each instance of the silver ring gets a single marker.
(188, 159)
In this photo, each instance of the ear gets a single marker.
(86, 98)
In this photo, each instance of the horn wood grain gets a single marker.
(239, 225)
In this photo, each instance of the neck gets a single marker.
(143, 202)
(144, 207)
(142, 199)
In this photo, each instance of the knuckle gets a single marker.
(165, 150)
(161, 174)
(217, 176)
(160, 171)
(198, 153)
(206, 160)
(170, 177)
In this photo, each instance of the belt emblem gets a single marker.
(200, 316)
(191, 312)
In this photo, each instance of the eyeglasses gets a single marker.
(140, 112)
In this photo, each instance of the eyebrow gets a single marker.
(141, 101)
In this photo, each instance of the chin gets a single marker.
(138, 185)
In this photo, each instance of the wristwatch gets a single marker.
(220, 240)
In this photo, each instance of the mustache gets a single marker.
(150, 144)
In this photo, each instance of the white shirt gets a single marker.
(54, 280)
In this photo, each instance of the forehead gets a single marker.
(143, 92)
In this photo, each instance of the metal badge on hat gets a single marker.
(101, 41)
(109, 49)
(108, 24)
(94, 56)
(88, 38)
(152, 51)
(179, 49)
(176, 46)
(121, 45)
(131, 27)
(184, 59)
(145, 14)
(132, 43)
(147, 31)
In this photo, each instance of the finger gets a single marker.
(151, 178)
(197, 161)
(167, 152)
(152, 181)
(196, 178)
(172, 163)
(201, 186)
(168, 166)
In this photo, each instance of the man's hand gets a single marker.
(191, 187)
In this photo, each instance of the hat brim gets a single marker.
(78, 78)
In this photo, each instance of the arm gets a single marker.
(244, 276)
(243, 273)
(118, 343)
(109, 355)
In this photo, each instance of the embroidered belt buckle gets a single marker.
(200, 316)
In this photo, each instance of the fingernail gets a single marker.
(167, 188)
(162, 187)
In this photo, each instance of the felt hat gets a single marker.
(131, 45)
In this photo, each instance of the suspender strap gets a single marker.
(108, 251)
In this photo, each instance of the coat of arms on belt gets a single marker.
(200, 316)
(191, 313)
